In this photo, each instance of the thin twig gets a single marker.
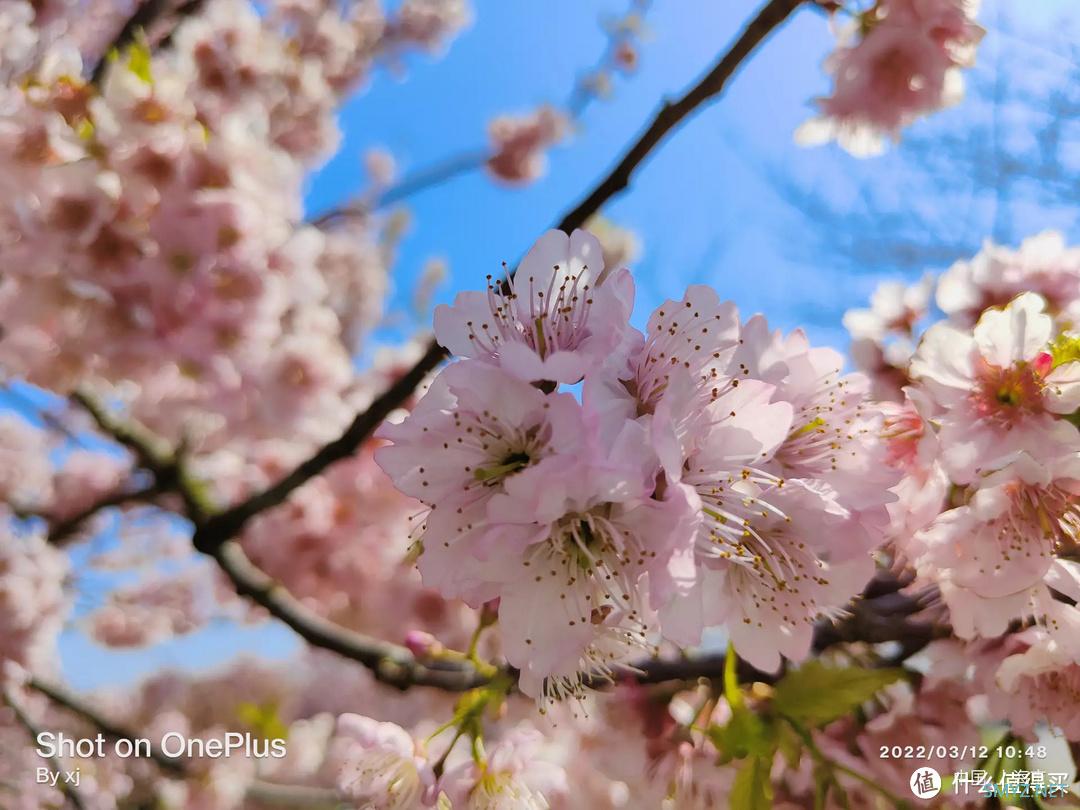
(472, 159)
(166, 465)
(426, 177)
(64, 530)
(672, 114)
(80, 708)
(58, 768)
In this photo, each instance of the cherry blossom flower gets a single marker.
(882, 337)
(560, 316)
(1006, 538)
(32, 598)
(384, 768)
(1039, 683)
(519, 144)
(694, 338)
(476, 428)
(898, 62)
(580, 554)
(1042, 264)
(998, 389)
(912, 448)
(516, 774)
(25, 474)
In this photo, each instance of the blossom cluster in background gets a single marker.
(896, 61)
(981, 418)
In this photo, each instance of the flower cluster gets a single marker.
(899, 60)
(985, 431)
(713, 473)
(33, 604)
(151, 221)
(519, 144)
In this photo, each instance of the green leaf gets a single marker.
(752, 789)
(745, 734)
(816, 694)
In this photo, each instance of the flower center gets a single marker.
(1053, 510)
(510, 464)
(1005, 395)
(556, 319)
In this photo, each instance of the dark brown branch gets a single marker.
(875, 620)
(166, 465)
(225, 525)
(220, 528)
(470, 160)
(391, 664)
(58, 768)
(77, 706)
(672, 113)
(64, 530)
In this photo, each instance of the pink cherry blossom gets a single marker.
(33, 601)
(1039, 683)
(475, 428)
(696, 336)
(152, 611)
(516, 774)
(997, 389)
(560, 316)
(383, 767)
(1042, 264)
(882, 337)
(580, 556)
(25, 474)
(898, 62)
(519, 143)
(1015, 524)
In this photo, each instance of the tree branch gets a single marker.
(391, 664)
(24, 720)
(63, 530)
(672, 113)
(227, 524)
(219, 528)
(61, 696)
(166, 465)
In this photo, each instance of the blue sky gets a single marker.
(707, 204)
